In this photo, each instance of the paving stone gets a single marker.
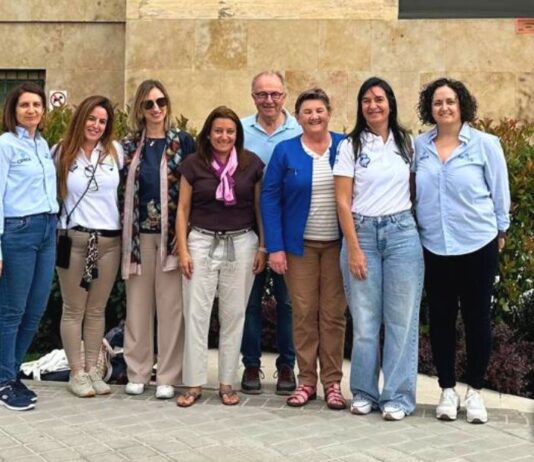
(260, 429)
(61, 455)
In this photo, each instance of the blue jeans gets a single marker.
(391, 294)
(29, 256)
(251, 344)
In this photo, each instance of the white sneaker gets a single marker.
(134, 388)
(100, 387)
(80, 385)
(448, 406)
(360, 406)
(392, 411)
(474, 405)
(164, 391)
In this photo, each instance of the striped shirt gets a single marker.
(322, 222)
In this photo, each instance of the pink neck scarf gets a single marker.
(225, 191)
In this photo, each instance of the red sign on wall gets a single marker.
(524, 26)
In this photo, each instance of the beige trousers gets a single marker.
(234, 281)
(318, 300)
(154, 293)
(86, 308)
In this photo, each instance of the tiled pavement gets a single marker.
(261, 428)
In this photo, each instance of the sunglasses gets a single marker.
(150, 103)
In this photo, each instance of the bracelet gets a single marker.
(262, 249)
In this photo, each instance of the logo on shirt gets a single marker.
(364, 160)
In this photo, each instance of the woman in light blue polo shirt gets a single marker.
(28, 209)
(462, 207)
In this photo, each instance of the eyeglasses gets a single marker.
(264, 95)
(150, 103)
(89, 172)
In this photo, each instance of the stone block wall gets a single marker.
(206, 51)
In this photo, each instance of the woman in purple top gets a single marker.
(219, 206)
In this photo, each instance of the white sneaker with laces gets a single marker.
(100, 387)
(392, 411)
(134, 388)
(448, 406)
(164, 392)
(474, 405)
(80, 385)
(360, 406)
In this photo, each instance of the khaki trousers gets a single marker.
(154, 293)
(234, 281)
(86, 308)
(318, 300)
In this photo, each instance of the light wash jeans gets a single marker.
(391, 294)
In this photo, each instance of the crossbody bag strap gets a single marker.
(69, 214)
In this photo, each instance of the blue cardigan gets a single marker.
(286, 195)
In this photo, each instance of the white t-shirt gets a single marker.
(322, 218)
(381, 176)
(99, 207)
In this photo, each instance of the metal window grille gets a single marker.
(10, 78)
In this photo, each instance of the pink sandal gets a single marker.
(302, 395)
(333, 397)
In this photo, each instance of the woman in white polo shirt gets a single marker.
(88, 164)
(382, 253)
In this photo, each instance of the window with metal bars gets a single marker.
(10, 78)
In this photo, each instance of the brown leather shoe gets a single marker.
(286, 382)
(250, 382)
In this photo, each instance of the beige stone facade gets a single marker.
(206, 51)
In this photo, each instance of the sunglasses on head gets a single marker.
(149, 103)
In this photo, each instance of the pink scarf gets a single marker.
(225, 191)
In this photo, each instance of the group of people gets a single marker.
(366, 219)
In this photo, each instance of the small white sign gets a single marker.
(57, 98)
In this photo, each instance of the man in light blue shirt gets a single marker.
(263, 131)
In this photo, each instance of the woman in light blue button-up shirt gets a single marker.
(28, 209)
(462, 207)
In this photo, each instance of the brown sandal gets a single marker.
(302, 395)
(227, 395)
(185, 398)
(333, 397)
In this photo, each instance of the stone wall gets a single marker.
(206, 51)
(80, 44)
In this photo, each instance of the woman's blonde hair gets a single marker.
(137, 117)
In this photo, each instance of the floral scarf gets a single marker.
(178, 145)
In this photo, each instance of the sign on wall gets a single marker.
(57, 98)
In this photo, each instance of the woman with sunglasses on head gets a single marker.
(88, 164)
(152, 153)
(462, 206)
(382, 254)
(303, 240)
(28, 209)
(219, 201)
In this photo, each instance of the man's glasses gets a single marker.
(150, 103)
(264, 96)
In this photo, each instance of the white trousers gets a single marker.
(234, 280)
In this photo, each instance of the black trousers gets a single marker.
(462, 282)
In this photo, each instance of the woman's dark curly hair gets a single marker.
(468, 103)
